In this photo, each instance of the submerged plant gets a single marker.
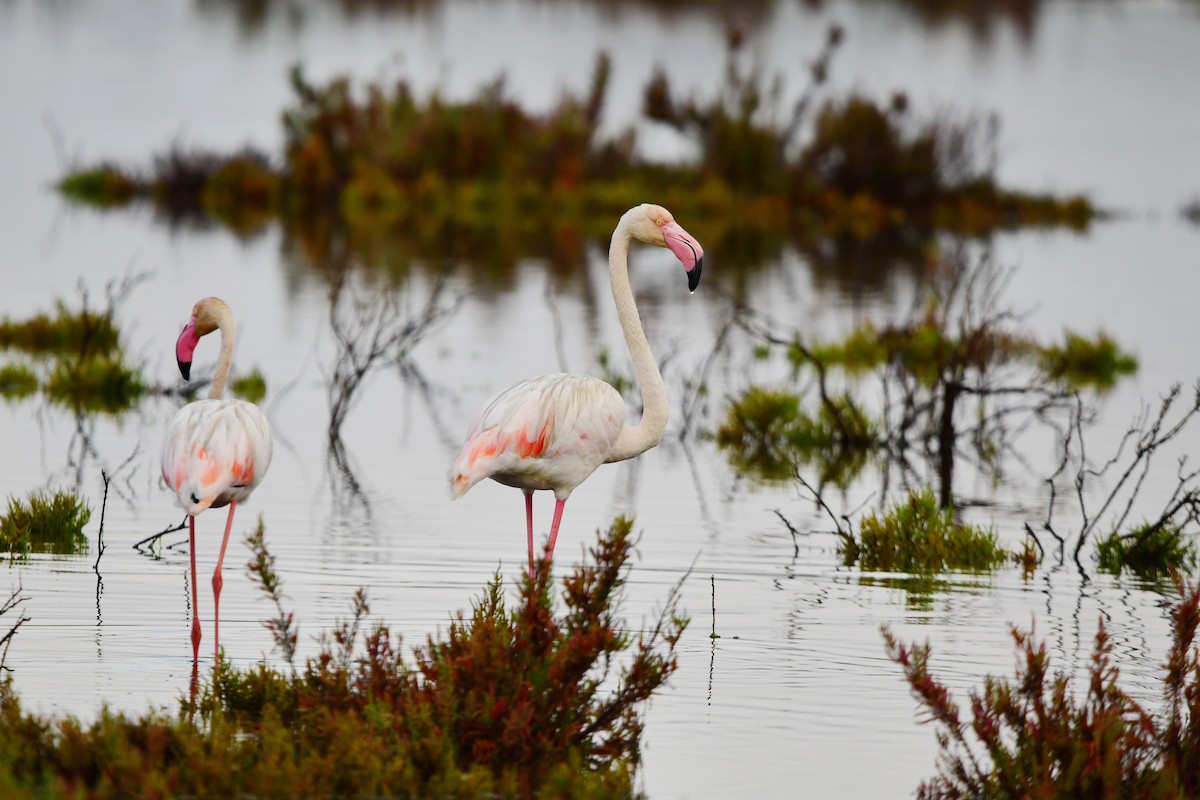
(918, 535)
(1033, 737)
(1148, 551)
(527, 700)
(45, 523)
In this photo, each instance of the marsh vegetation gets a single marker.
(360, 166)
(536, 698)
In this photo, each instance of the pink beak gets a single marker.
(687, 250)
(185, 345)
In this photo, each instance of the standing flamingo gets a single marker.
(553, 432)
(215, 451)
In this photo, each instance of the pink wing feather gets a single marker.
(545, 433)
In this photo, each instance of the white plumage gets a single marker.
(215, 452)
(544, 433)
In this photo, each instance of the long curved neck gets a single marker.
(225, 326)
(636, 439)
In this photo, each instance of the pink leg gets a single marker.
(529, 527)
(218, 582)
(195, 602)
(558, 509)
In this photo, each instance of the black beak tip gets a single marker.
(694, 275)
(185, 369)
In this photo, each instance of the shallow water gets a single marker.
(797, 694)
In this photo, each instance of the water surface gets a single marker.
(797, 694)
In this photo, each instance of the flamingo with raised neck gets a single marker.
(215, 451)
(551, 433)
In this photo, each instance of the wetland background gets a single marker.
(1092, 98)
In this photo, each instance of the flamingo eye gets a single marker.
(195, 499)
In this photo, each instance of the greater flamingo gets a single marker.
(215, 451)
(553, 432)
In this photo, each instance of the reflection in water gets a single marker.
(15, 598)
(373, 331)
(984, 18)
(957, 384)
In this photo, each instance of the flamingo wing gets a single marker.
(545, 433)
(215, 451)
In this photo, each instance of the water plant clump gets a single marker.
(1148, 551)
(957, 378)
(17, 381)
(1081, 361)
(1191, 211)
(76, 358)
(513, 700)
(918, 535)
(768, 435)
(96, 385)
(45, 523)
(251, 387)
(84, 333)
(360, 166)
(1034, 736)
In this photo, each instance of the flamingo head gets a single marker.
(654, 225)
(207, 315)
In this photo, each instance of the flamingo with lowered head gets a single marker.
(553, 432)
(215, 451)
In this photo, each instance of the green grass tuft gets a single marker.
(102, 186)
(251, 387)
(918, 535)
(45, 523)
(1147, 553)
(1081, 361)
(17, 381)
(83, 333)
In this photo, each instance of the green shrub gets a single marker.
(1146, 551)
(918, 535)
(1036, 737)
(45, 523)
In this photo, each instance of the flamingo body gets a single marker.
(549, 433)
(215, 452)
(552, 432)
